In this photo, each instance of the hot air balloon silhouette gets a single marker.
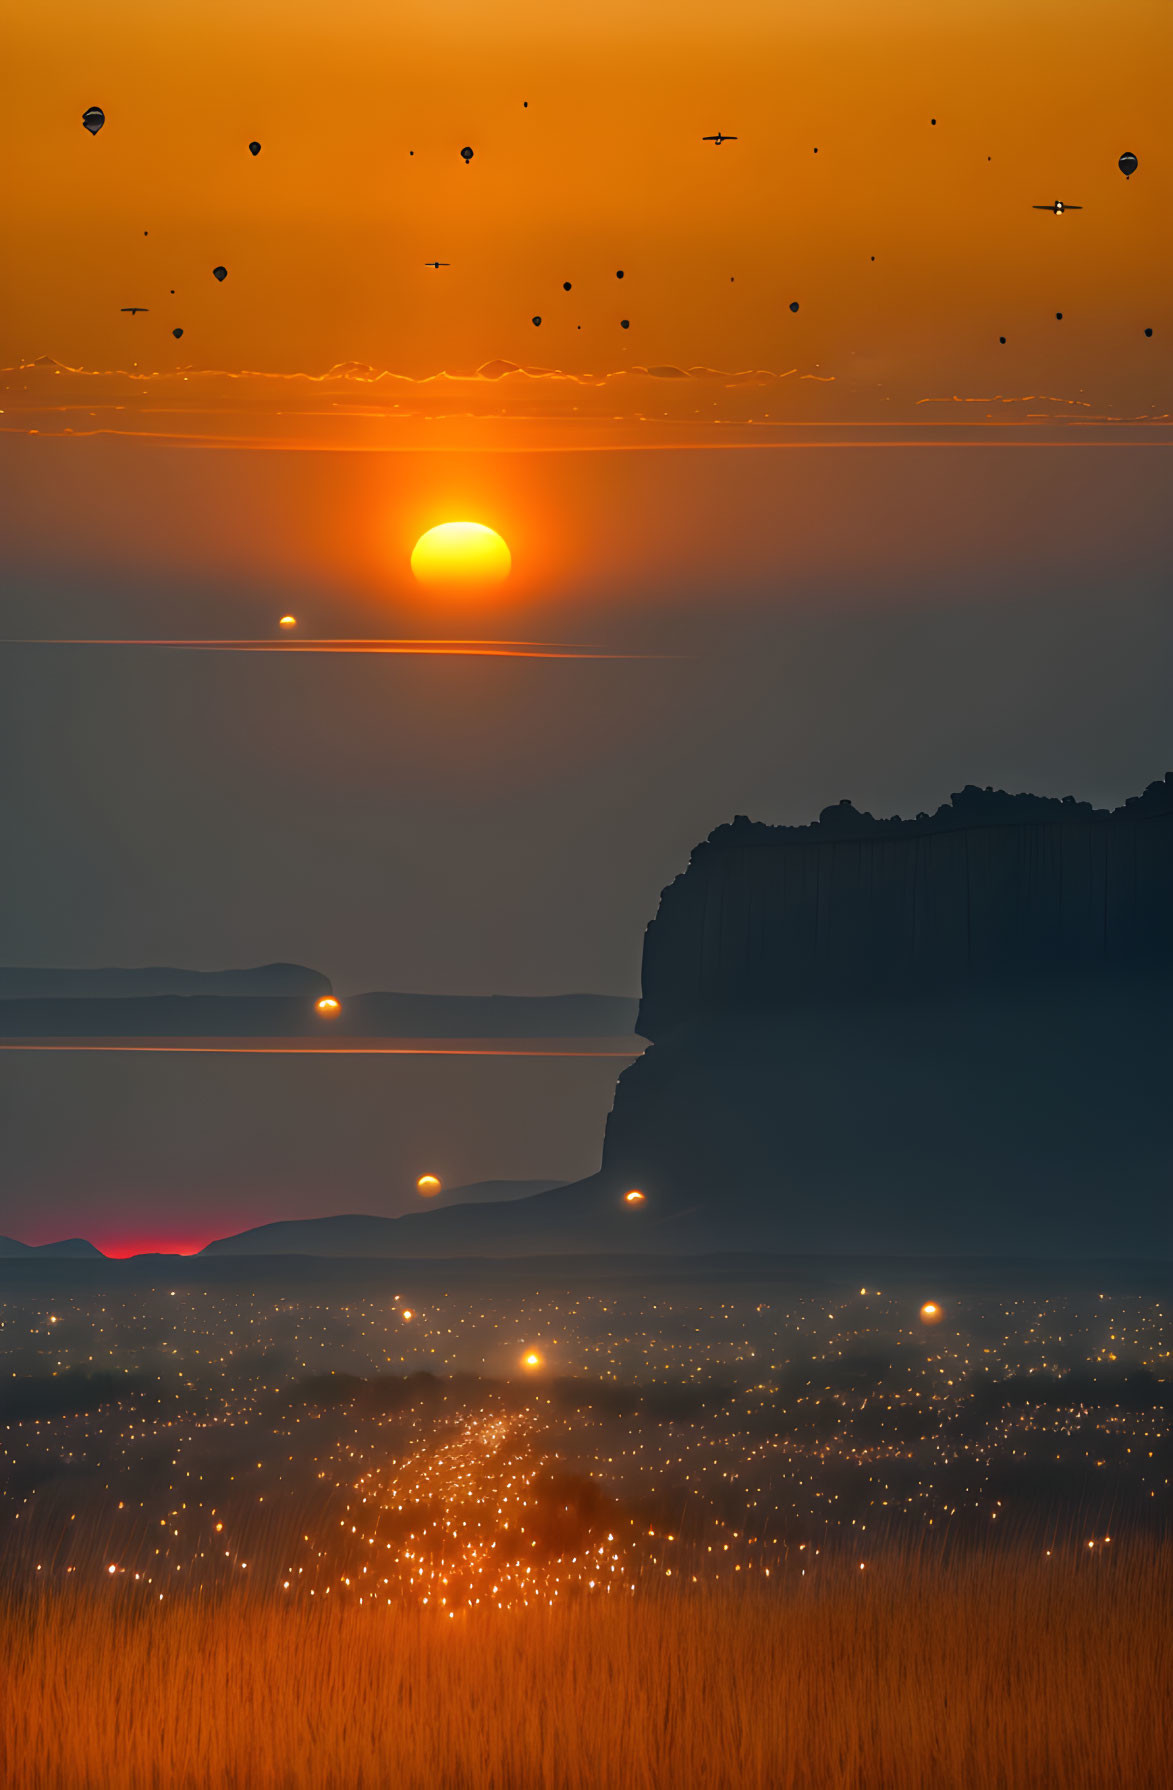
(536, 321)
(177, 333)
(93, 118)
(1128, 164)
(254, 149)
(219, 273)
(466, 155)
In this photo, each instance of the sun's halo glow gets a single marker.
(460, 553)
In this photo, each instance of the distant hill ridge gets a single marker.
(270, 979)
(358, 1234)
(68, 1246)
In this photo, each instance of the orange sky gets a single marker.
(326, 232)
(947, 562)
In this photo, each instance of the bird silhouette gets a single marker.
(719, 139)
(133, 309)
(1058, 207)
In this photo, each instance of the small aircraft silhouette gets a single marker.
(437, 264)
(133, 308)
(1058, 207)
(719, 138)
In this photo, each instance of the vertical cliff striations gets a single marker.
(946, 1033)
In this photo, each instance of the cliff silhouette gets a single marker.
(948, 1035)
(992, 889)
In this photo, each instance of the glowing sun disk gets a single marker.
(460, 553)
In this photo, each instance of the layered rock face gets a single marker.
(992, 889)
(953, 1033)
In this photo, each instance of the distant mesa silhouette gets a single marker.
(92, 119)
(219, 273)
(1128, 164)
(278, 1002)
(254, 149)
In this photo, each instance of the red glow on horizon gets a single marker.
(122, 1248)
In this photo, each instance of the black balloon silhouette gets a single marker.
(92, 119)
(254, 149)
(566, 285)
(1128, 164)
(1058, 316)
(1148, 332)
(624, 323)
(220, 273)
(536, 321)
(177, 333)
(466, 155)
(619, 273)
(1002, 339)
(794, 304)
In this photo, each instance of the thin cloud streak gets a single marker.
(441, 649)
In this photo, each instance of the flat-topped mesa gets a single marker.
(990, 888)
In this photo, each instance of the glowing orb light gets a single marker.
(531, 1359)
(931, 1313)
(428, 1186)
(460, 554)
(634, 1198)
(328, 1006)
(287, 621)
(407, 1315)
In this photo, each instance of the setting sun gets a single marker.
(460, 553)
(428, 1186)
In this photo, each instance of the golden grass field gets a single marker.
(994, 1671)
